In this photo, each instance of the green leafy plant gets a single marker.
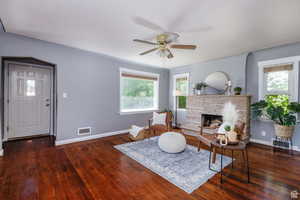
(278, 109)
(227, 128)
(237, 90)
(200, 85)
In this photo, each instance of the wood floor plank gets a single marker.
(33, 169)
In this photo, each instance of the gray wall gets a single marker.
(1, 32)
(243, 70)
(258, 127)
(91, 81)
(234, 66)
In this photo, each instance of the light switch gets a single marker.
(65, 95)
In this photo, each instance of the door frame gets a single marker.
(30, 62)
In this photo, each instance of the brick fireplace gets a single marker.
(202, 106)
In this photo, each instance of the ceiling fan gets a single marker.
(163, 44)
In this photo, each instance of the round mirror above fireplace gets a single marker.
(217, 80)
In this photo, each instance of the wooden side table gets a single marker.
(241, 147)
(210, 141)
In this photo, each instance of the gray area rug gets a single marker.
(187, 170)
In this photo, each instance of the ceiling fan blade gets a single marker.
(170, 55)
(148, 24)
(182, 46)
(144, 41)
(204, 28)
(149, 51)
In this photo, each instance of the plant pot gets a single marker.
(284, 131)
(237, 93)
(198, 92)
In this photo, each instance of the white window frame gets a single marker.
(175, 77)
(293, 76)
(156, 91)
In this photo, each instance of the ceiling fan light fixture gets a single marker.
(163, 44)
(162, 53)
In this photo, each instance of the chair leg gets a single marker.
(214, 155)
(243, 154)
(248, 169)
(209, 161)
(221, 171)
(292, 152)
(232, 159)
(153, 132)
(199, 144)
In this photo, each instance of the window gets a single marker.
(30, 88)
(279, 79)
(138, 91)
(181, 88)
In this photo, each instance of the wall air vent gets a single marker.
(281, 143)
(84, 131)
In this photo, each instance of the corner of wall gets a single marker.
(248, 55)
(2, 28)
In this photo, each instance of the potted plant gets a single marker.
(237, 90)
(279, 110)
(231, 135)
(199, 87)
(227, 128)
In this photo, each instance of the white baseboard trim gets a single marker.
(1, 152)
(269, 143)
(90, 137)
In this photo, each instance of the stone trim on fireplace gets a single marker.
(213, 105)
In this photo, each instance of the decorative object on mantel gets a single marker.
(228, 89)
(217, 81)
(237, 90)
(278, 109)
(199, 87)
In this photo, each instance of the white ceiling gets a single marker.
(219, 28)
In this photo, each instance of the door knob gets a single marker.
(48, 104)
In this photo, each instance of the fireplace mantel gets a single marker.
(213, 105)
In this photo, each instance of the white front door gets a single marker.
(29, 96)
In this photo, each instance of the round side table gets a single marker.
(241, 147)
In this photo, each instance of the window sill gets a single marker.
(138, 112)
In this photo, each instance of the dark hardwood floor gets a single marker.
(33, 169)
